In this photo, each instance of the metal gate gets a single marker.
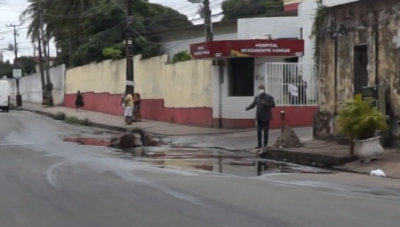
(279, 75)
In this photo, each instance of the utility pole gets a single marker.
(207, 21)
(1, 52)
(41, 68)
(15, 40)
(70, 51)
(18, 97)
(48, 86)
(129, 41)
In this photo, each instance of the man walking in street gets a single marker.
(264, 103)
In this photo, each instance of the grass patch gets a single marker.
(85, 122)
(60, 116)
(72, 120)
(76, 121)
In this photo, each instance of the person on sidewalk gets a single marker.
(136, 107)
(123, 100)
(264, 103)
(302, 91)
(79, 101)
(128, 109)
(293, 93)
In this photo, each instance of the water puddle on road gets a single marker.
(209, 160)
(89, 141)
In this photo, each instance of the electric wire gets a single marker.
(64, 36)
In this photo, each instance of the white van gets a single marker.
(4, 95)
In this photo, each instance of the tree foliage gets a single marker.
(235, 9)
(6, 69)
(25, 63)
(86, 31)
(181, 56)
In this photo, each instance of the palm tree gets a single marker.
(59, 17)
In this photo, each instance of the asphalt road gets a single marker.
(50, 183)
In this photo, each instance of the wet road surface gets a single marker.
(48, 182)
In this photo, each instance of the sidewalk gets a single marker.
(113, 122)
(236, 141)
(390, 164)
(205, 137)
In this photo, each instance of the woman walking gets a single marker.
(136, 107)
(79, 101)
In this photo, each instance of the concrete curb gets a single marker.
(358, 172)
(307, 159)
(124, 129)
(92, 124)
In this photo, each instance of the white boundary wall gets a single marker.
(30, 86)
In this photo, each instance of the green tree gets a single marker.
(87, 31)
(6, 69)
(235, 9)
(27, 64)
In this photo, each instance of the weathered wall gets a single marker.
(360, 23)
(179, 93)
(31, 86)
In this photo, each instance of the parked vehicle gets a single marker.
(4, 95)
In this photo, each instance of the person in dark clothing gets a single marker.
(264, 103)
(136, 106)
(79, 101)
(302, 85)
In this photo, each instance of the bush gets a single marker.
(60, 116)
(181, 56)
(11, 106)
(361, 120)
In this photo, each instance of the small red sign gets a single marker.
(247, 48)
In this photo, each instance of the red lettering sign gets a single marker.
(242, 48)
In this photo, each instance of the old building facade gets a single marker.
(358, 44)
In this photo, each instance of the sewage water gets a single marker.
(208, 160)
(89, 141)
(205, 160)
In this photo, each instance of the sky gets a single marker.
(10, 11)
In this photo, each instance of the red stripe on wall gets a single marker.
(154, 109)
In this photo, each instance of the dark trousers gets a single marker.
(262, 126)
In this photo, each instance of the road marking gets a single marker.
(51, 174)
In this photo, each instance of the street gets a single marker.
(47, 182)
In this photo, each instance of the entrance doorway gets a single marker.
(241, 77)
(360, 79)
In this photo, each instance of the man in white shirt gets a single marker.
(293, 94)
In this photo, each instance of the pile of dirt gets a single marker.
(288, 139)
(135, 138)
